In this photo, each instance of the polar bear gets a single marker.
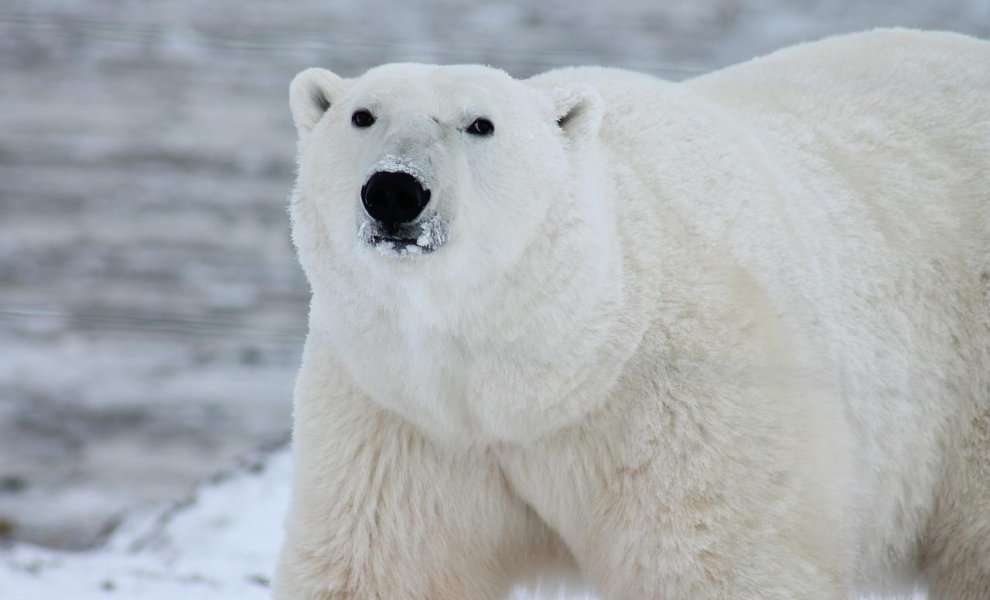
(724, 338)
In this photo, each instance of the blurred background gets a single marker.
(151, 308)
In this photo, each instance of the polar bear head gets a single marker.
(448, 169)
(434, 210)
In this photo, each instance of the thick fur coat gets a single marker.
(727, 338)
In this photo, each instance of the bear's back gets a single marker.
(882, 141)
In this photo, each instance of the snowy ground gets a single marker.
(151, 310)
(200, 549)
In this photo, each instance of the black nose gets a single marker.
(394, 198)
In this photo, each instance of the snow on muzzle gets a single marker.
(395, 200)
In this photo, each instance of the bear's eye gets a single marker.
(362, 118)
(481, 126)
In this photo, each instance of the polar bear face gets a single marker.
(433, 208)
(449, 170)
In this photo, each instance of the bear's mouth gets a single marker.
(412, 239)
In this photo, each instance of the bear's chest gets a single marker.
(470, 388)
(414, 370)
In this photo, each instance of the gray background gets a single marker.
(151, 310)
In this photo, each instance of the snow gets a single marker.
(433, 233)
(219, 544)
(428, 235)
(392, 163)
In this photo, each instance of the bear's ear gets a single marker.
(312, 93)
(577, 111)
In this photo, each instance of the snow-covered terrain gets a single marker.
(218, 544)
(151, 309)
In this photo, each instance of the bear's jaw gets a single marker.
(404, 241)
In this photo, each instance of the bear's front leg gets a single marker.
(381, 512)
(693, 497)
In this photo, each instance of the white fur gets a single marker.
(727, 338)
